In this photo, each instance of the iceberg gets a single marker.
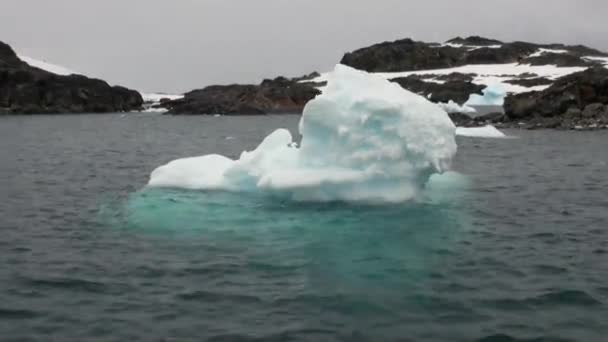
(363, 139)
(493, 95)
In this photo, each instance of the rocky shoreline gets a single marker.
(577, 101)
(576, 98)
(277, 96)
(574, 102)
(28, 90)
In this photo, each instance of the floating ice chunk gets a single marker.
(205, 172)
(364, 138)
(453, 107)
(488, 131)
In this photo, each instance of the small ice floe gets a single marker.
(488, 131)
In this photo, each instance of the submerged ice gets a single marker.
(364, 139)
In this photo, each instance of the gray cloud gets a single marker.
(183, 44)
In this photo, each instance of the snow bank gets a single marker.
(543, 51)
(52, 68)
(471, 47)
(603, 60)
(363, 139)
(488, 131)
(493, 76)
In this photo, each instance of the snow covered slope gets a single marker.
(52, 68)
(506, 78)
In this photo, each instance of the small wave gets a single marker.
(508, 338)
(72, 284)
(291, 335)
(17, 314)
(566, 297)
(214, 297)
(550, 269)
(556, 298)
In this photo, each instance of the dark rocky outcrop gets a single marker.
(403, 55)
(464, 120)
(530, 82)
(475, 41)
(28, 90)
(576, 100)
(410, 55)
(458, 88)
(558, 59)
(277, 96)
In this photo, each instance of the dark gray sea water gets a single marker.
(513, 246)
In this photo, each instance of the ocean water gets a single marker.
(511, 246)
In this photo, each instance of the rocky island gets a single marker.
(277, 96)
(567, 91)
(538, 85)
(528, 85)
(28, 90)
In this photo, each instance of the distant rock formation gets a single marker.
(277, 96)
(456, 87)
(28, 90)
(576, 101)
(410, 55)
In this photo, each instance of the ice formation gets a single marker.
(364, 139)
(493, 95)
(488, 131)
(453, 107)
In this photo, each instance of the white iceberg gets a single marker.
(364, 139)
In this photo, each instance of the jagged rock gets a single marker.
(573, 113)
(278, 96)
(576, 90)
(530, 82)
(454, 76)
(462, 120)
(578, 99)
(494, 117)
(455, 90)
(403, 55)
(558, 59)
(593, 110)
(410, 55)
(28, 90)
(475, 41)
(308, 77)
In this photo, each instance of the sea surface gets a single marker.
(511, 246)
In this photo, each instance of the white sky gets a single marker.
(179, 45)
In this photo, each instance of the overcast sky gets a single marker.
(178, 45)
